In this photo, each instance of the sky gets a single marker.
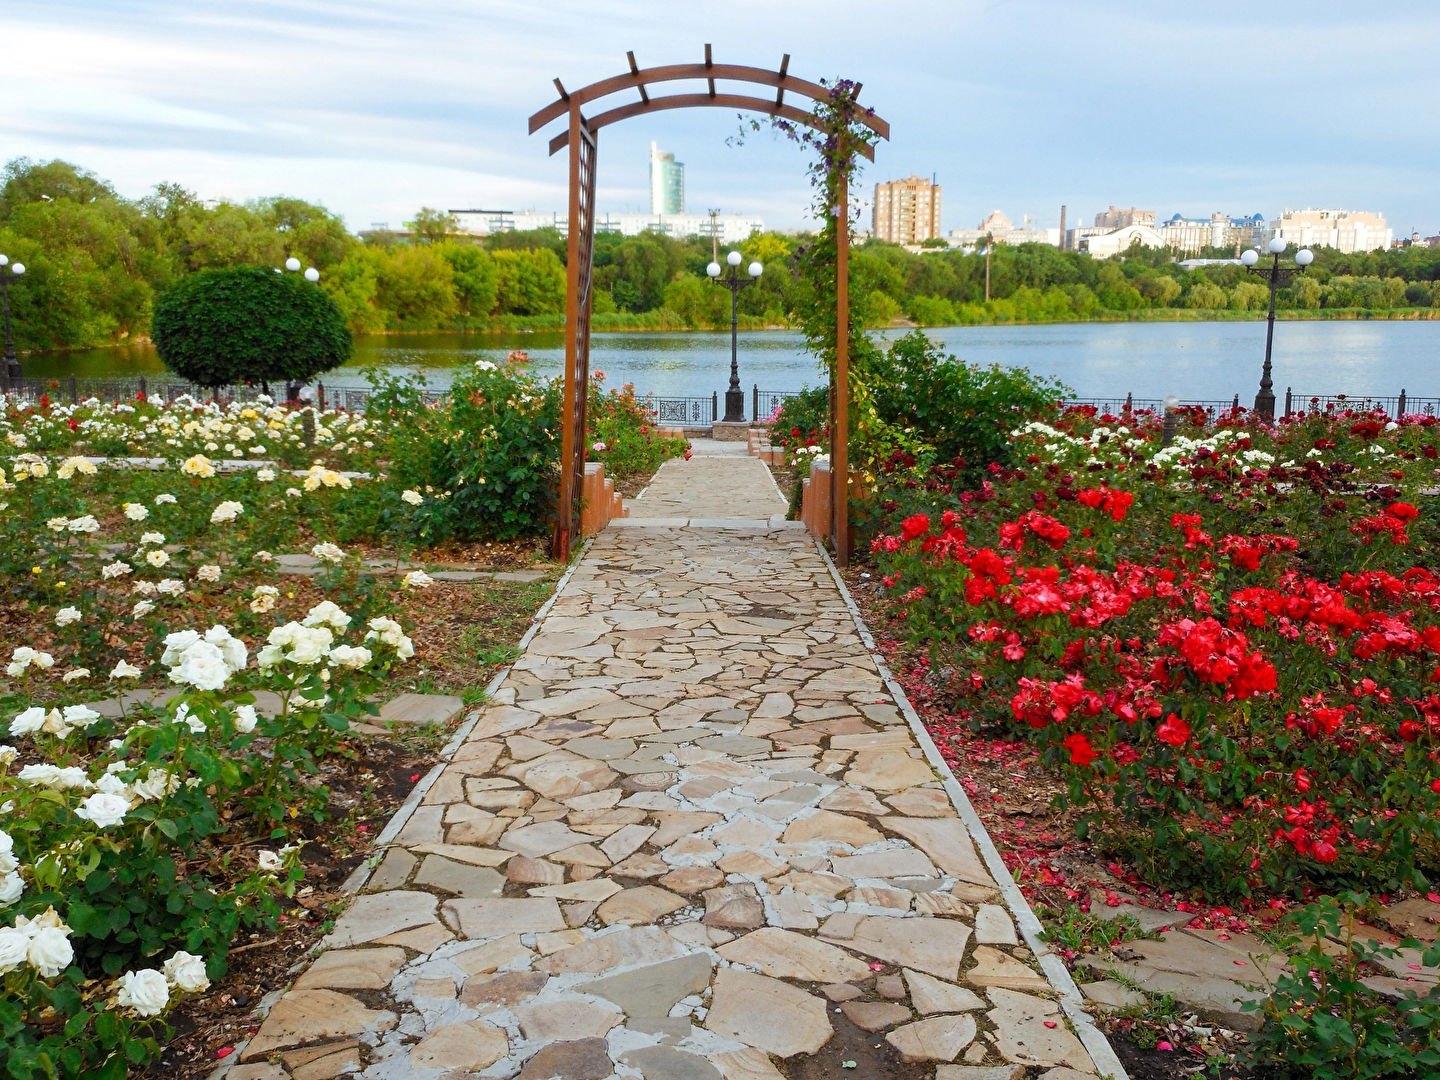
(375, 110)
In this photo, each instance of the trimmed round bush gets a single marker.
(248, 325)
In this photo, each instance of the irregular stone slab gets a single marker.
(654, 990)
(457, 878)
(889, 770)
(467, 1046)
(639, 906)
(353, 969)
(994, 968)
(734, 907)
(934, 946)
(898, 862)
(747, 1064)
(498, 720)
(833, 828)
(623, 948)
(667, 1063)
(309, 1016)
(510, 988)
(497, 917)
(1150, 919)
(875, 1015)
(412, 709)
(561, 775)
(579, 1059)
(947, 843)
(689, 880)
(376, 915)
(1021, 1035)
(941, 1038)
(767, 1014)
(931, 995)
(625, 841)
(787, 955)
(982, 1072)
(523, 870)
(993, 926)
(549, 1021)
(592, 891)
(853, 801)
(545, 838)
(1113, 994)
(321, 1062)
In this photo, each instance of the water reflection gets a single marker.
(1190, 360)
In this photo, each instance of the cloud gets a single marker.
(376, 109)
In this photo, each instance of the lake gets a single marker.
(1191, 360)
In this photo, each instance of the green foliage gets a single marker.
(485, 457)
(1322, 1021)
(247, 325)
(622, 433)
(953, 409)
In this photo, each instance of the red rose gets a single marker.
(1173, 731)
(1081, 752)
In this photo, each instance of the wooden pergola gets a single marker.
(581, 138)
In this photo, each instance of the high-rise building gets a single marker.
(1116, 218)
(667, 183)
(1344, 230)
(906, 211)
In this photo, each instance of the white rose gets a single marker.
(245, 719)
(350, 656)
(157, 558)
(327, 552)
(417, 579)
(85, 524)
(49, 951)
(142, 608)
(103, 810)
(208, 572)
(124, 669)
(145, 991)
(152, 538)
(270, 863)
(75, 673)
(39, 773)
(164, 500)
(80, 715)
(156, 785)
(14, 944)
(186, 971)
(136, 512)
(176, 644)
(67, 615)
(414, 498)
(115, 569)
(231, 649)
(226, 511)
(203, 666)
(170, 587)
(28, 721)
(8, 754)
(12, 887)
(327, 613)
(264, 475)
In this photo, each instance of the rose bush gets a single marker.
(1229, 646)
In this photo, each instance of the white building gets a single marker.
(1344, 230)
(667, 183)
(1002, 230)
(729, 228)
(1216, 231)
(1104, 244)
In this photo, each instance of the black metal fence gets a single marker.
(1130, 403)
(1296, 402)
(683, 411)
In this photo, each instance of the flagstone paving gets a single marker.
(691, 837)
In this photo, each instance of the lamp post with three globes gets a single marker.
(1279, 277)
(734, 396)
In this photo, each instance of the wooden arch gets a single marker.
(581, 137)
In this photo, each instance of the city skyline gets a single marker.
(375, 112)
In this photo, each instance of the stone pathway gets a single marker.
(692, 835)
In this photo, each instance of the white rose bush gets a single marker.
(144, 581)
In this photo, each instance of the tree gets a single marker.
(247, 325)
(25, 181)
(431, 226)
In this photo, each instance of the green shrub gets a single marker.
(621, 433)
(248, 325)
(485, 458)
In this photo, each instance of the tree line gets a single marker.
(97, 261)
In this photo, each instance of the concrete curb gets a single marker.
(1071, 1000)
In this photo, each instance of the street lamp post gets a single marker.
(10, 375)
(734, 396)
(292, 389)
(1279, 277)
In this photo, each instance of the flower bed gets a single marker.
(1229, 647)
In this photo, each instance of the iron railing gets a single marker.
(683, 411)
(1401, 404)
(1130, 403)
(765, 403)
